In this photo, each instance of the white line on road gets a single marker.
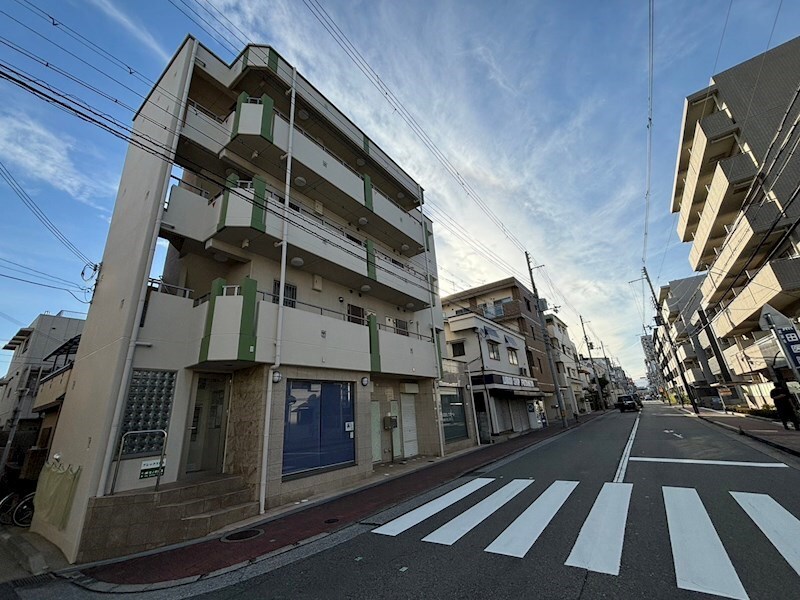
(623, 462)
(449, 533)
(408, 520)
(518, 537)
(777, 523)
(599, 545)
(695, 461)
(701, 563)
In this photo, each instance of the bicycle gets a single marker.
(17, 509)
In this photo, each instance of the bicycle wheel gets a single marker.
(7, 505)
(23, 513)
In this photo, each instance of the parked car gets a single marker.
(626, 402)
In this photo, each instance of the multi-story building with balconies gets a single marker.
(567, 373)
(735, 189)
(298, 309)
(512, 304)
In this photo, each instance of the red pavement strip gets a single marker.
(288, 530)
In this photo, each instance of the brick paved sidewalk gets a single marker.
(764, 430)
(191, 562)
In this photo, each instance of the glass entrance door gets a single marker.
(207, 429)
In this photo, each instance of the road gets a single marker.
(656, 504)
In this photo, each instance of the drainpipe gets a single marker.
(262, 496)
(128, 366)
(436, 397)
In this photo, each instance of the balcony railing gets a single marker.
(156, 285)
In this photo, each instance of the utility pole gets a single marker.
(548, 350)
(611, 374)
(688, 389)
(600, 400)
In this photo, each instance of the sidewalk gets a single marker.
(758, 428)
(206, 558)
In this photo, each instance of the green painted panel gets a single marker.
(216, 290)
(371, 260)
(374, 344)
(366, 144)
(368, 192)
(259, 213)
(243, 97)
(230, 183)
(267, 117)
(247, 328)
(272, 61)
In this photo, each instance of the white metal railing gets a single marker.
(157, 285)
(294, 303)
(198, 108)
(231, 290)
(254, 101)
(405, 332)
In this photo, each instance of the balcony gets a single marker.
(742, 241)
(695, 376)
(758, 356)
(686, 353)
(713, 140)
(776, 284)
(52, 388)
(697, 106)
(729, 185)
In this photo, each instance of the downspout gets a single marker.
(436, 397)
(262, 496)
(128, 366)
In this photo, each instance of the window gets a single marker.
(149, 406)
(512, 356)
(401, 327)
(494, 350)
(457, 348)
(318, 425)
(289, 293)
(355, 314)
(528, 304)
(454, 419)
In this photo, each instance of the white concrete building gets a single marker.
(564, 357)
(284, 331)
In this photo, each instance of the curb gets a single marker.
(28, 557)
(741, 431)
(77, 577)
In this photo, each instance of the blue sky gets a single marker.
(540, 106)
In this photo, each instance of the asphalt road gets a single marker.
(628, 506)
(508, 530)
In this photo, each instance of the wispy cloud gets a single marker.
(44, 156)
(133, 27)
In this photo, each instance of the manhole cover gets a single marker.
(331, 520)
(241, 536)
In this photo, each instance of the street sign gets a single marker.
(790, 340)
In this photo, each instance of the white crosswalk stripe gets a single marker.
(777, 523)
(700, 560)
(599, 545)
(454, 530)
(701, 563)
(518, 537)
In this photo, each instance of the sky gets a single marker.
(540, 106)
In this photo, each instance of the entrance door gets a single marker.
(409, 417)
(207, 430)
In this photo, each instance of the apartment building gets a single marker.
(506, 402)
(30, 365)
(653, 370)
(512, 304)
(568, 373)
(292, 342)
(735, 189)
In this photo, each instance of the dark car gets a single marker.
(624, 403)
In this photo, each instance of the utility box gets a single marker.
(390, 422)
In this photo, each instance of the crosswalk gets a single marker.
(700, 560)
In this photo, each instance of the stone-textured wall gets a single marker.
(245, 421)
(427, 409)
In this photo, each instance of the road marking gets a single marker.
(695, 461)
(408, 520)
(619, 476)
(599, 545)
(777, 523)
(701, 563)
(518, 537)
(449, 533)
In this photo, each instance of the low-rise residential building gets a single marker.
(293, 340)
(568, 374)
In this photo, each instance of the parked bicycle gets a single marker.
(17, 508)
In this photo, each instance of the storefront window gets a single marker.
(319, 426)
(454, 417)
